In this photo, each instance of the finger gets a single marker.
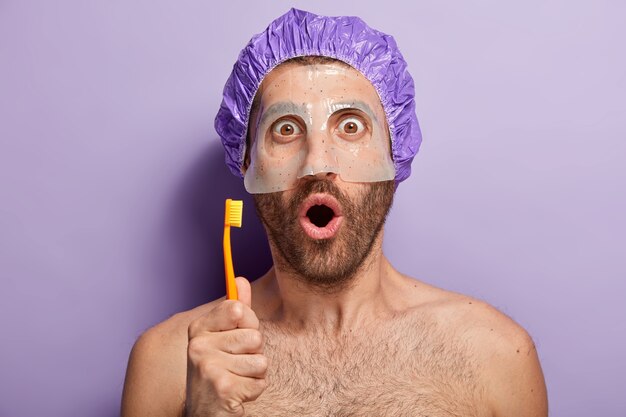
(244, 291)
(238, 341)
(251, 366)
(227, 315)
(233, 390)
(234, 342)
(250, 388)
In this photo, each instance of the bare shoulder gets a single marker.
(511, 369)
(156, 373)
(505, 353)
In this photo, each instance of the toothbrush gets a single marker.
(232, 217)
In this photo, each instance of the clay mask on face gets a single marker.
(316, 119)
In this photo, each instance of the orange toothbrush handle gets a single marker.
(231, 286)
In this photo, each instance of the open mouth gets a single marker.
(320, 216)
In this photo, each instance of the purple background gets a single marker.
(112, 181)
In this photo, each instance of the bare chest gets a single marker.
(396, 372)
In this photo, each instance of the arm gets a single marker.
(207, 362)
(155, 377)
(517, 386)
(511, 372)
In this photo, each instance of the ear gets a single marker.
(246, 159)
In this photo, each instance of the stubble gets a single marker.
(326, 265)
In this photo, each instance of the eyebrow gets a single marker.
(281, 108)
(356, 104)
(289, 107)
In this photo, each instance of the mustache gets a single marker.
(313, 186)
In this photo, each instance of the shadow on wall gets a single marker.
(194, 230)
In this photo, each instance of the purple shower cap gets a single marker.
(346, 38)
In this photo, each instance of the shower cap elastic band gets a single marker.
(346, 38)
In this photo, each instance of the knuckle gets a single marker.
(255, 339)
(193, 328)
(195, 348)
(206, 369)
(263, 363)
(257, 362)
(235, 310)
(232, 406)
(256, 388)
(261, 384)
(223, 386)
(257, 366)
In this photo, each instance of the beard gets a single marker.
(327, 265)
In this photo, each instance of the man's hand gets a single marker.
(225, 363)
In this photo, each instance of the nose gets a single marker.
(320, 159)
(324, 175)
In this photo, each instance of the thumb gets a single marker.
(244, 292)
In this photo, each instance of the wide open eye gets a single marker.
(351, 126)
(286, 128)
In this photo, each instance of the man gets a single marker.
(318, 116)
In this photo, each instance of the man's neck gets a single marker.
(300, 305)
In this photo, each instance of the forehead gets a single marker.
(317, 83)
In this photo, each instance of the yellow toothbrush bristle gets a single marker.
(234, 212)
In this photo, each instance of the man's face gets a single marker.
(323, 227)
(317, 118)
